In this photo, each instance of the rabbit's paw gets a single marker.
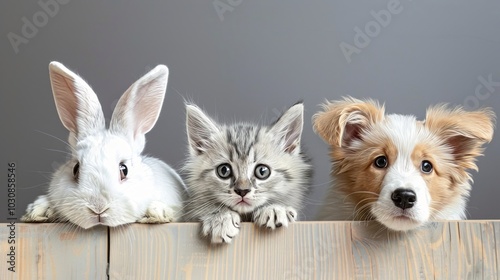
(221, 227)
(158, 213)
(38, 211)
(275, 216)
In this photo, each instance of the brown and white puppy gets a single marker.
(397, 170)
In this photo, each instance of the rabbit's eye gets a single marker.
(123, 171)
(76, 171)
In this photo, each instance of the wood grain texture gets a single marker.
(55, 251)
(306, 250)
(309, 250)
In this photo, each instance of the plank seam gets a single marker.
(108, 252)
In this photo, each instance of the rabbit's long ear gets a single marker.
(139, 107)
(76, 103)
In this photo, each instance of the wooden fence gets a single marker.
(306, 250)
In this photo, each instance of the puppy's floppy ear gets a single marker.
(342, 121)
(464, 132)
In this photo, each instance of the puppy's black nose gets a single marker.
(241, 192)
(404, 198)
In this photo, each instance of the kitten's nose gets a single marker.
(404, 198)
(241, 192)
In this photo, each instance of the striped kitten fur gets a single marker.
(244, 172)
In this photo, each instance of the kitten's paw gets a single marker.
(221, 227)
(158, 213)
(38, 211)
(275, 216)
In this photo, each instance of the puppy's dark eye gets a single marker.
(123, 171)
(426, 166)
(262, 171)
(224, 171)
(76, 171)
(380, 162)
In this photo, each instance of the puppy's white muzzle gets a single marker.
(404, 201)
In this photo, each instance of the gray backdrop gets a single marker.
(245, 60)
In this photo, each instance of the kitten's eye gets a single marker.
(380, 162)
(426, 166)
(224, 171)
(76, 171)
(262, 171)
(123, 171)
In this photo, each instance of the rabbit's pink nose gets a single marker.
(100, 215)
(98, 211)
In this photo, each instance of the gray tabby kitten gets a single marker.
(244, 172)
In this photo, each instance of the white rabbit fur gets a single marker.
(98, 193)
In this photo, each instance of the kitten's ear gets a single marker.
(342, 121)
(288, 129)
(465, 132)
(200, 130)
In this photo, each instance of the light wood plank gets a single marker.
(306, 250)
(381, 254)
(471, 254)
(496, 230)
(174, 251)
(55, 251)
(490, 261)
(309, 250)
(451, 250)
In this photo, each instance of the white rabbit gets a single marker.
(107, 181)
